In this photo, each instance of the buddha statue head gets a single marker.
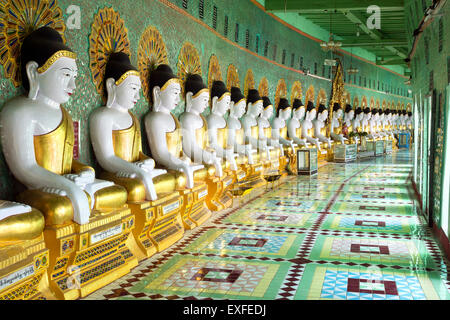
(376, 114)
(237, 105)
(367, 114)
(48, 67)
(165, 89)
(382, 114)
(298, 109)
(197, 94)
(284, 110)
(337, 111)
(359, 114)
(322, 113)
(405, 115)
(410, 117)
(220, 98)
(267, 112)
(254, 103)
(349, 113)
(310, 111)
(122, 82)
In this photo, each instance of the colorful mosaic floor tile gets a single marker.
(351, 232)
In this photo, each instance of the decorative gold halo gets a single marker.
(346, 99)
(214, 71)
(188, 63)
(309, 95)
(263, 87)
(377, 104)
(296, 91)
(232, 77)
(321, 98)
(355, 103)
(403, 106)
(18, 18)
(408, 107)
(249, 82)
(389, 106)
(151, 53)
(372, 103)
(399, 107)
(108, 35)
(383, 105)
(364, 102)
(281, 92)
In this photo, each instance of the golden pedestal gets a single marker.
(84, 258)
(158, 223)
(196, 211)
(23, 270)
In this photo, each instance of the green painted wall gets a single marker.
(178, 25)
(431, 71)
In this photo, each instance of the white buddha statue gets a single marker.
(279, 127)
(348, 127)
(308, 126)
(116, 135)
(265, 130)
(38, 137)
(294, 124)
(410, 121)
(357, 121)
(163, 128)
(250, 123)
(236, 135)
(217, 125)
(373, 134)
(336, 126)
(319, 126)
(367, 115)
(195, 127)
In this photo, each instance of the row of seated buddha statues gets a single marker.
(74, 229)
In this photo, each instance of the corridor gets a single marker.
(351, 232)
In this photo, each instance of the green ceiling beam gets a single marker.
(391, 62)
(372, 43)
(321, 5)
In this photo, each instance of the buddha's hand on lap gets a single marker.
(53, 190)
(147, 164)
(127, 175)
(81, 179)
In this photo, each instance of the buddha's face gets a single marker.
(268, 112)
(286, 113)
(323, 115)
(360, 116)
(350, 115)
(339, 114)
(382, 117)
(200, 102)
(170, 96)
(299, 113)
(223, 105)
(256, 108)
(127, 93)
(239, 108)
(58, 82)
(311, 115)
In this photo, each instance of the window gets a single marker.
(301, 62)
(247, 38)
(441, 34)
(257, 43)
(292, 60)
(236, 33)
(214, 18)
(431, 81)
(323, 71)
(201, 9)
(315, 68)
(283, 57)
(266, 48)
(427, 51)
(274, 52)
(185, 4)
(225, 27)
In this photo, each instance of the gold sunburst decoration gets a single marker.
(408, 107)
(249, 81)
(389, 106)
(151, 53)
(296, 91)
(403, 106)
(399, 107)
(383, 105)
(232, 77)
(364, 102)
(355, 103)
(321, 98)
(18, 18)
(108, 35)
(377, 104)
(309, 95)
(214, 70)
(346, 99)
(263, 87)
(188, 63)
(281, 91)
(372, 103)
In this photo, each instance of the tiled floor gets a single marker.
(352, 232)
